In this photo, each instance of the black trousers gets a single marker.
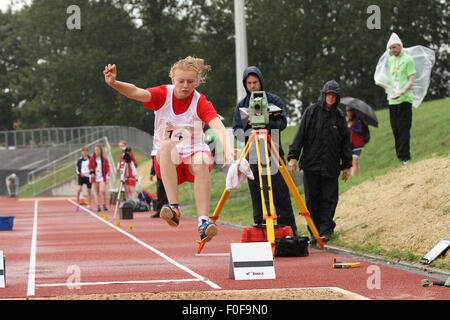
(321, 194)
(281, 199)
(401, 119)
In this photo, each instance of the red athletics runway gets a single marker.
(54, 250)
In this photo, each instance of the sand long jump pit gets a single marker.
(319, 293)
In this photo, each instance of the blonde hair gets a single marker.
(123, 142)
(191, 64)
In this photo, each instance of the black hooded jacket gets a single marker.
(323, 137)
(277, 121)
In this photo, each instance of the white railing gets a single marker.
(74, 137)
(50, 171)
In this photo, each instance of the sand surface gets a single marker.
(330, 293)
(407, 209)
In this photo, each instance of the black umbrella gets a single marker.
(362, 109)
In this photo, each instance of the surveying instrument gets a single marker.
(259, 119)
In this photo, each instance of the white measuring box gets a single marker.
(251, 261)
(2, 271)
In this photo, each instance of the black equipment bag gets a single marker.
(291, 247)
(126, 210)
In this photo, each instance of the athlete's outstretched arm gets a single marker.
(127, 89)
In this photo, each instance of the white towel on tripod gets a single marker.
(234, 179)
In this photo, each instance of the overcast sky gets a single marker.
(17, 4)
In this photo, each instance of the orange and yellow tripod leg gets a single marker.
(298, 198)
(220, 205)
(267, 216)
(201, 244)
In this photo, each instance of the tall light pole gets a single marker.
(241, 46)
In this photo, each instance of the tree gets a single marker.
(163, 37)
(52, 75)
(12, 59)
(213, 27)
(66, 67)
(300, 44)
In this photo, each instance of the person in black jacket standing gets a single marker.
(325, 141)
(254, 81)
(82, 170)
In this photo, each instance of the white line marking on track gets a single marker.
(74, 284)
(193, 273)
(32, 267)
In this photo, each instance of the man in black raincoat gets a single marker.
(254, 81)
(323, 140)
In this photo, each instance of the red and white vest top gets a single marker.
(185, 129)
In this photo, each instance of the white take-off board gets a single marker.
(251, 261)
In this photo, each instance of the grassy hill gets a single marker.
(401, 214)
(430, 137)
(430, 134)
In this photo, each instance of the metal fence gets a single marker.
(55, 170)
(74, 137)
(63, 169)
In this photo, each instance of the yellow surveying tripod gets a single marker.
(257, 136)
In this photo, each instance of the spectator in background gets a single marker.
(402, 72)
(82, 170)
(12, 185)
(127, 166)
(323, 141)
(356, 128)
(99, 170)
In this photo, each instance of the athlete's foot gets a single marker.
(207, 231)
(171, 215)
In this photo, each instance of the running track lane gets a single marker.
(81, 253)
(74, 247)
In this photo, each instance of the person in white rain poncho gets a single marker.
(404, 73)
